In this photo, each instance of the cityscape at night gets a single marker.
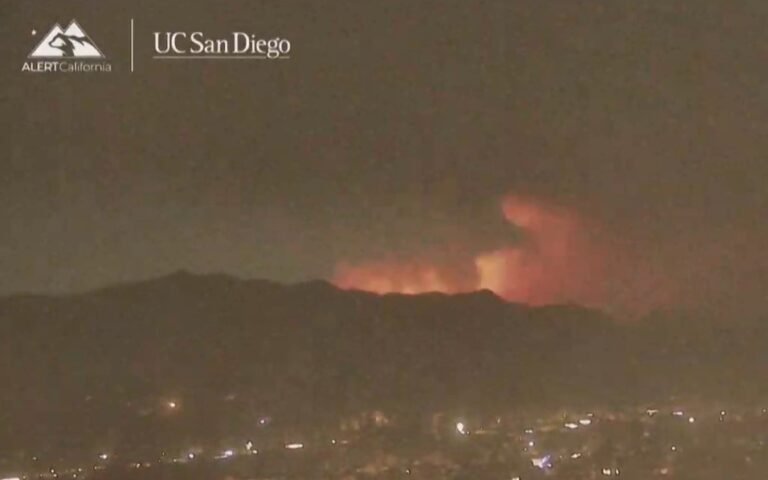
(210, 376)
(391, 239)
(659, 441)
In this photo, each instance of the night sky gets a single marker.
(607, 153)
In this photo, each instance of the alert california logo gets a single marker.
(66, 50)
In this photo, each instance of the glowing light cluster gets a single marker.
(462, 428)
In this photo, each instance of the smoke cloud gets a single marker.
(561, 256)
(555, 260)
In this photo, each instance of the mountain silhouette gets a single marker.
(71, 42)
(312, 351)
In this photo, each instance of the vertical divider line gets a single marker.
(131, 45)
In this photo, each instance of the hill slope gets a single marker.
(311, 350)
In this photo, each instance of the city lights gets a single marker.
(461, 428)
(574, 452)
(542, 463)
(229, 453)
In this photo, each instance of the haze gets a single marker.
(391, 142)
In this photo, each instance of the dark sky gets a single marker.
(395, 129)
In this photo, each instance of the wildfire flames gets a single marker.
(554, 261)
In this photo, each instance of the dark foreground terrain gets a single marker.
(177, 371)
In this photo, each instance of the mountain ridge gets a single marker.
(312, 350)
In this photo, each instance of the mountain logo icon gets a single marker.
(71, 42)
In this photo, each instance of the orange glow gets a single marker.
(555, 261)
(383, 277)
